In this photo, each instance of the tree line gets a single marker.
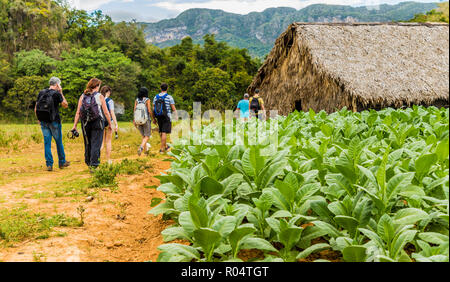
(40, 39)
(435, 15)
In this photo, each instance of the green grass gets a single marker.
(70, 186)
(20, 193)
(42, 195)
(39, 257)
(132, 167)
(15, 137)
(15, 134)
(19, 224)
(74, 187)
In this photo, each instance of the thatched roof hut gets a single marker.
(326, 66)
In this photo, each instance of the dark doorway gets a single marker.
(298, 105)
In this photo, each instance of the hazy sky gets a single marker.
(154, 10)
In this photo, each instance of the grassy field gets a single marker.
(17, 138)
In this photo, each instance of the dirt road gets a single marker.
(117, 227)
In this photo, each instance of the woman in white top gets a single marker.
(107, 138)
(92, 129)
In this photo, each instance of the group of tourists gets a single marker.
(95, 112)
(251, 107)
(160, 114)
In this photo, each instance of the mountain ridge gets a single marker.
(257, 31)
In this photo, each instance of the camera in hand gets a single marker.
(73, 134)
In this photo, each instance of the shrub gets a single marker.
(105, 176)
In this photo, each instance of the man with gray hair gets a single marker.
(243, 108)
(47, 112)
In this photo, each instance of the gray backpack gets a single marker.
(141, 112)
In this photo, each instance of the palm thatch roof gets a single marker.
(358, 65)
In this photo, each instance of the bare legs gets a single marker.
(144, 142)
(107, 143)
(163, 141)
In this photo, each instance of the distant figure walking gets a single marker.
(47, 112)
(243, 108)
(94, 116)
(257, 106)
(107, 138)
(164, 106)
(142, 114)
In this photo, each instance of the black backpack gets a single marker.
(254, 105)
(89, 108)
(45, 106)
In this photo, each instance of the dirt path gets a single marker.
(117, 227)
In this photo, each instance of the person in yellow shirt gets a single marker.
(257, 106)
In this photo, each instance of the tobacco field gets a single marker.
(367, 187)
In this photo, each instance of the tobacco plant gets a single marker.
(370, 186)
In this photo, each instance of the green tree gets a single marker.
(34, 62)
(184, 86)
(113, 68)
(48, 37)
(234, 62)
(5, 69)
(439, 15)
(184, 49)
(31, 24)
(241, 81)
(214, 90)
(5, 82)
(129, 38)
(88, 30)
(21, 97)
(213, 51)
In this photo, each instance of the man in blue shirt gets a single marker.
(164, 107)
(243, 108)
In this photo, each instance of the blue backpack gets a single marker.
(160, 108)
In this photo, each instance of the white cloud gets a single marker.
(90, 5)
(236, 6)
(247, 6)
(233, 6)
